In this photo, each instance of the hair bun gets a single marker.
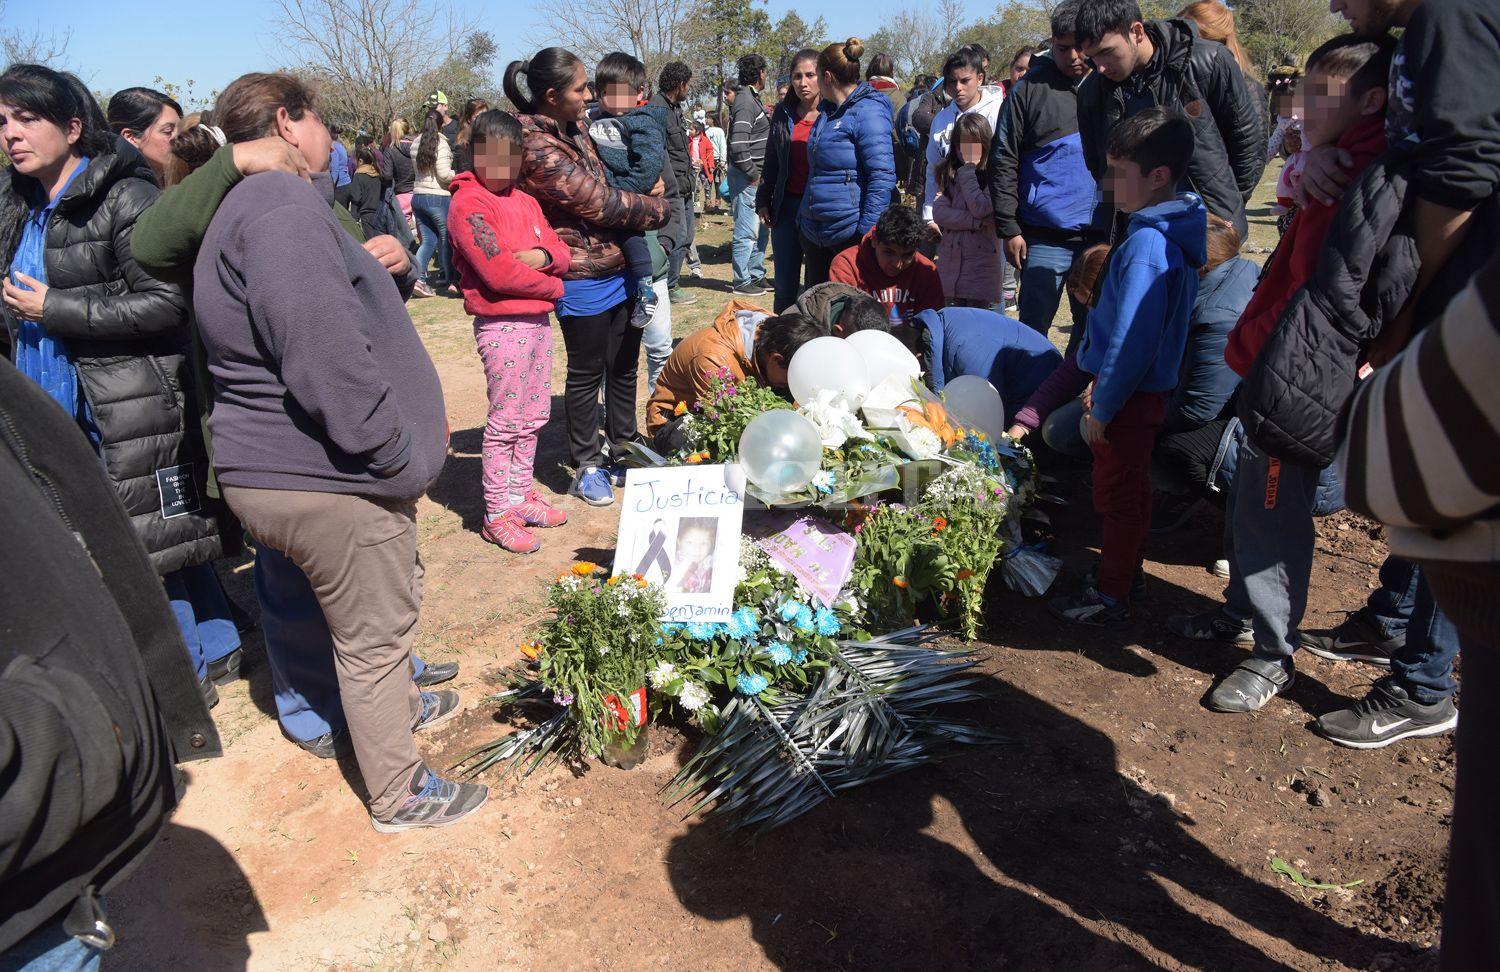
(526, 66)
(854, 49)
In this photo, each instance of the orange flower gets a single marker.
(695, 458)
(900, 582)
(584, 568)
(613, 580)
(532, 650)
(939, 524)
(965, 574)
(680, 409)
(933, 417)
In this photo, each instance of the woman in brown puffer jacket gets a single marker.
(562, 170)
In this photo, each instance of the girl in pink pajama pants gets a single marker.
(510, 265)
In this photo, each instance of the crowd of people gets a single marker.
(207, 323)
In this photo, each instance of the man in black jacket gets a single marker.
(1139, 65)
(1040, 185)
(97, 697)
(671, 91)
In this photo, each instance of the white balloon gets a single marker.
(976, 404)
(828, 364)
(885, 357)
(781, 451)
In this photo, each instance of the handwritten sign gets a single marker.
(818, 554)
(680, 529)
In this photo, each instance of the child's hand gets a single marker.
(1017, 432)
(1088, 398)
(660, 189)
(1093, 429)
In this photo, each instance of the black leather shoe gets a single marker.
(210, 693)
(437, 674)
(226, 669)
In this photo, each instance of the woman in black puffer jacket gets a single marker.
(104, 339)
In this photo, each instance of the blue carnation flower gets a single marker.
(751, 684)
(704, 630)
(805, 620)
(789, 610)
(828, 623)
(780, 652)
(743, 623)
(800, 656)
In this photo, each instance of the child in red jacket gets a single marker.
(510, 264)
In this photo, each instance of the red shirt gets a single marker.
(796, 156)
(1296, 256)
(917, 289)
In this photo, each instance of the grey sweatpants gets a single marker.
(1269, 540)
(360, 556)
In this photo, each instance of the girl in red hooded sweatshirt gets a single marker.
(510, 265)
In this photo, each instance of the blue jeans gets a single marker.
(50, 949)
(431, 213)
(1043, 282)
(1404, 603)
(786, 253)
(299, 649)
(747, 254)
(1328, 500)
(657, 337)
(1268, 541)
(202, 611)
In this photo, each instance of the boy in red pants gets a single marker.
(1132, 346)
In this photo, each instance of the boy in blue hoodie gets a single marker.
(1133, 343)
(632, 141)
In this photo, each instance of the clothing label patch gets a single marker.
(179, 494)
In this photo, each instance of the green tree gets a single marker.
(790, 35)
(717, 33)
(1274, 31)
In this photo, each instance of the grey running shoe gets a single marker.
(437, 674)
(327, 746)
(1090, 608)
(1212, 625)
(434, 802)
(1386, 714)
(437, 708)
(1251, 685)
(1357, 638)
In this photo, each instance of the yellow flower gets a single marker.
(532, 650)
(681, 409)
(584, 568)
(696, 457)
(613, 580)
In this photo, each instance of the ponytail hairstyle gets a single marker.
(970, 127)
(247, 108)
(427, 152)
(495, 126)
(135, 110)
(842, 60)
(395, 133)
(195, 144)
(1223, 244)
(58, 97)
(1216, 23)
(472, 109)
(549, 69)
(364, 152)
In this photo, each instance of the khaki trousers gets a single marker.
(360, 556)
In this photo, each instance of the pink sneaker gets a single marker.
(537, 512)
(507, 531)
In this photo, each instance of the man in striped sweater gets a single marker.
(749, 127)
(1419, 455)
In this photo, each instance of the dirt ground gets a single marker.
(1126, 826)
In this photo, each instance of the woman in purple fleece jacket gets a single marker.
(328, 425)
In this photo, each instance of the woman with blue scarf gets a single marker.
(106, 341)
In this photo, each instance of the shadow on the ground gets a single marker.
(1061, 835)
(460, 487)
(165, 922)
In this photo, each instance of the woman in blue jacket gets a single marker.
(851, 162)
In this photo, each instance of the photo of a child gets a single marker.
(697, 538)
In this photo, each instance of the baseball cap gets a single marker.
(437, 98)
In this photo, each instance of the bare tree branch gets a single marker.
(21, 46)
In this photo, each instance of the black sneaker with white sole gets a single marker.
(1253, 683)
(433, 802)
(1212, 625)
(1387, 714)
(1357, 638)
(1137, 583)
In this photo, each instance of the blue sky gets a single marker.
(118, 44)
